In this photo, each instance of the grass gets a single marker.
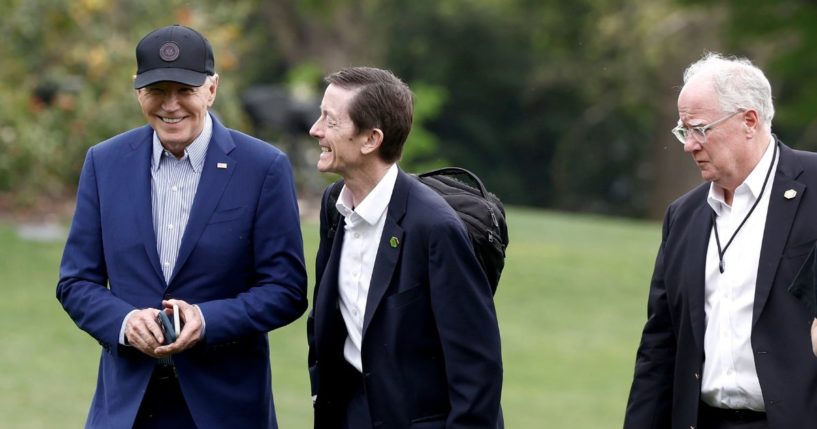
(571, 304)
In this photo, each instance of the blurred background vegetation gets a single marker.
(555, 104)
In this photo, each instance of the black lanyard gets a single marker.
(721, 252)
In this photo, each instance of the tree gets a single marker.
(556, 104)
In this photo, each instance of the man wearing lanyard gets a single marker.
(725, 344)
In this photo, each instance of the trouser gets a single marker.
(163, 406)
(357, 415)
(719, 418)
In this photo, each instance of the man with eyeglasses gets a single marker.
(725, 344)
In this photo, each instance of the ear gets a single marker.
(751, 123)
(137, 92)
(212, 90)
(373, 141)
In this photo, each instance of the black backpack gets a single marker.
(481, 211)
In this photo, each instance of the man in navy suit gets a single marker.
(725, 344)
(403, 332)
(183, 212)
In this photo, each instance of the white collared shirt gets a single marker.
(729, 375)
(363, 229)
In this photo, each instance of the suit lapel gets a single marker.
(137, 166)
(695, 275)
(212, 183)
(778, 224)
(389, 249)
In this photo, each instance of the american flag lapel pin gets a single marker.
(221, 165)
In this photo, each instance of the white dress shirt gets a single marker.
(729, 375)
(364, 226)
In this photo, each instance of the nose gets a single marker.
(170, 102)
(316, 130)
(691, 145)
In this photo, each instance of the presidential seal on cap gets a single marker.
(176, 54)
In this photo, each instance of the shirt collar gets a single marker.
(195, 151)
(752, 184)
(374, 205)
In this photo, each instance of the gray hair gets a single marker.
(738, 83)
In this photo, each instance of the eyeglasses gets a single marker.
(698, 133)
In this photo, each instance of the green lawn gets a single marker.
(571, 304)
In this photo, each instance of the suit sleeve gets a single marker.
(278, 295)
(324, 247)
(650, 402)
(82, 286)
(469, 333)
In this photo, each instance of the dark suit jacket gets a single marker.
(240, 260)
(666, 388)
(431, 349)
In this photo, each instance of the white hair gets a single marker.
(738, 83)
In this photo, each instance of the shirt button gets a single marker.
(357, 235)
(167, 264)
(170, 226)
(175, 188)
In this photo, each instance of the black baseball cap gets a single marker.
(176, 54)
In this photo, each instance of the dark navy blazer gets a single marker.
(240, 260)
(667, 384)
(431, 348)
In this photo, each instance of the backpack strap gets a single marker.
(332, 211)
(457, 171)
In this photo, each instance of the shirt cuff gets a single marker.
(203, 323)
(122, 329)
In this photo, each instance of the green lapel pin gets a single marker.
(394, 242)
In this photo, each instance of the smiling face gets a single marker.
(340, 142)
(176, 111)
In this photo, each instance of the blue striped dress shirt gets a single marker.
(173, 187)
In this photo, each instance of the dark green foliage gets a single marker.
(553, 103)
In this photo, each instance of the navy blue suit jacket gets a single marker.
(667, 384)
(431, 348)
(240, 260)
